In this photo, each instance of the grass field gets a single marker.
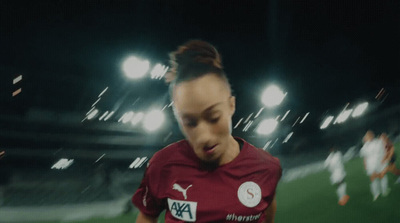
(313, 199)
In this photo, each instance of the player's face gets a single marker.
(368, 136)
(204, 108)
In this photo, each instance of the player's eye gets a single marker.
(190, 123)
(214, 119)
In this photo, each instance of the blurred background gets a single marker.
(83, 103)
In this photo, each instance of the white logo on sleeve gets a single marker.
(249, 194)
(180, 189)
(183, 210)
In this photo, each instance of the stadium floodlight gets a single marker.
(17, 79)
(127, 117)
(62, 164)
(137, 118)
(272, 96)
(135, 68)
(267, 126)
(153, 120)
(343, 116)
(360, 109)
(158, 71)
(326, 122)
(92, 114)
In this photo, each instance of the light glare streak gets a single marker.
(266, 145)
(259, 112)
(326, 123)
(99, 158)
(137, 118)
(62, 164)
(360, 109)
(304, 118)
(343, 116)
(283, 118)
(276, 140)
(237, 124)
(141, 162)
(127, 117)
(247, 126)
(103, 92)
(248, 118)
(96, 102)
(90, 110)
(17, 79)
(109, 116)
(92, 114)
(158, 71)
(15, 93)
(287, 137)
(103, 115)
(134, 163)
(296, 121)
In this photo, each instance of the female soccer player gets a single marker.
(210, 176)
(373, 152)
(334, 163)
(390, 157)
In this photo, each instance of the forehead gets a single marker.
(195, 96)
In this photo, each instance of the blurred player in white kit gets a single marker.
(373, 153)
(334, 163)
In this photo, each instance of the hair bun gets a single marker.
(194, 56)
(198, 51)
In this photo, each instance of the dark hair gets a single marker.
(192, 60)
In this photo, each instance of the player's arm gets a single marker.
(143, 218)
(327, 161)
(270, 212)
(391, 152)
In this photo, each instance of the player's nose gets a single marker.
(203, 135)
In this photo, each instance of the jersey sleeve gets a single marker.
(328, 160)
(273, 178)
(145, 197)
(362, 151)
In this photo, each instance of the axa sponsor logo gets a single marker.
(183, 210)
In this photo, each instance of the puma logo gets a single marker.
(180, 189)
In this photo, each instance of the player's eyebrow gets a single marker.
(187, 115)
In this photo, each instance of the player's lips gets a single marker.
(209, 149)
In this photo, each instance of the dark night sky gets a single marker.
(310, 46)
(324, 54)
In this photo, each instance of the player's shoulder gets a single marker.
(260, 156)
(339, 153)
(176, 151)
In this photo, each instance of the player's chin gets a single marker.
(208, 158)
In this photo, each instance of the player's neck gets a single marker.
(231, 152)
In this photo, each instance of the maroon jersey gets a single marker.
(239, 191)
